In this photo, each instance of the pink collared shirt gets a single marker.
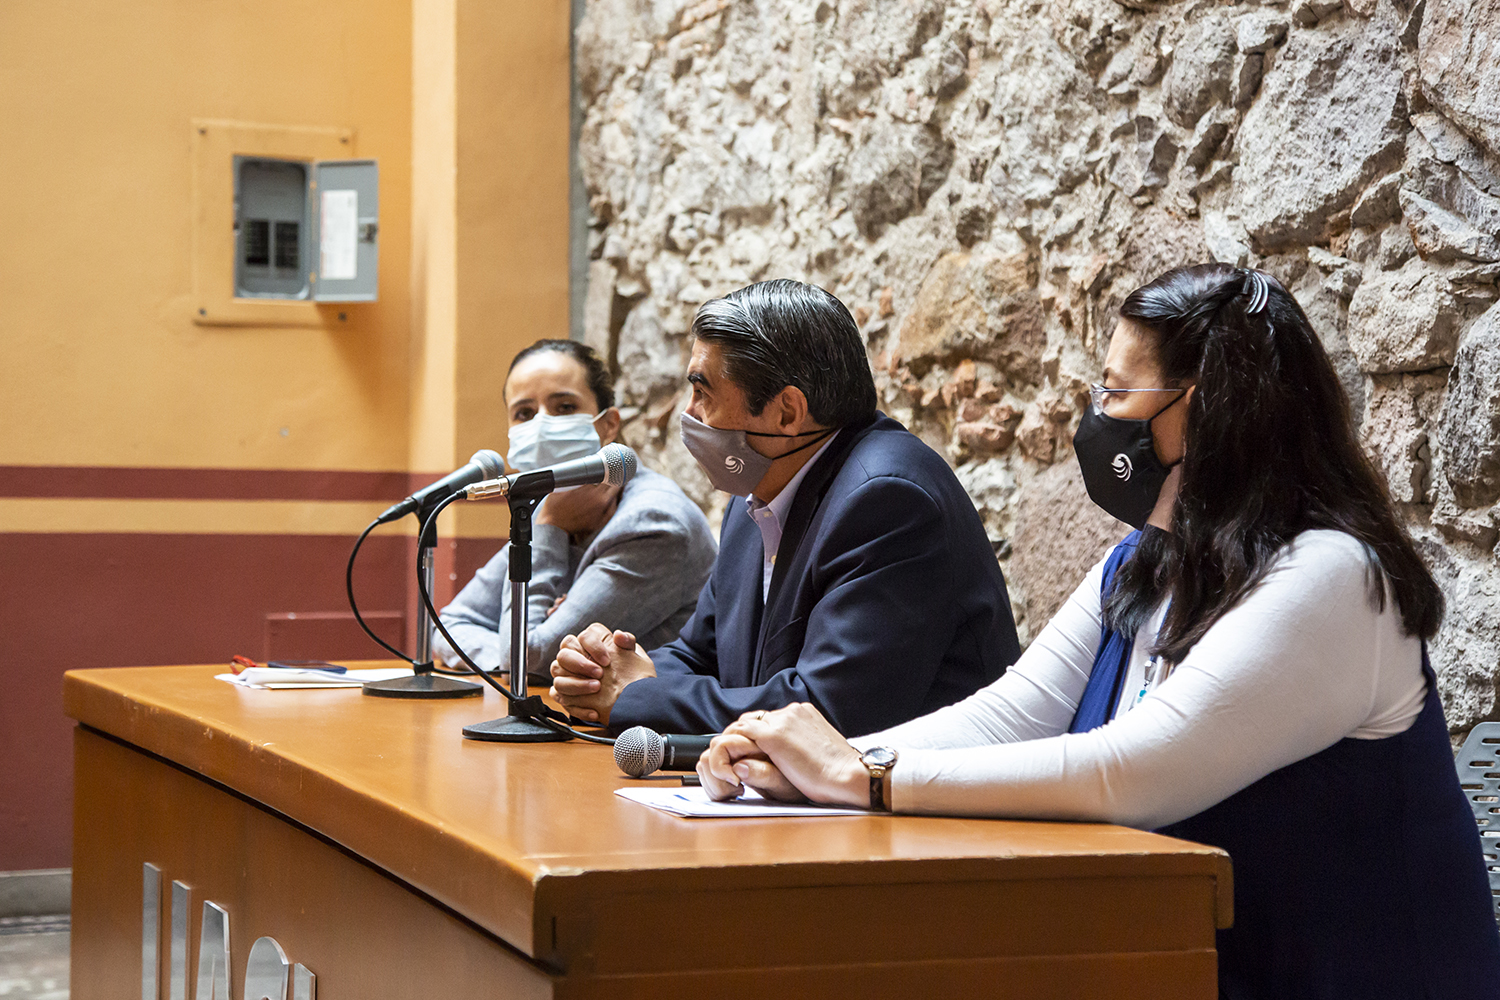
(770, 518)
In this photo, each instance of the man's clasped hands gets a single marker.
(791, 754)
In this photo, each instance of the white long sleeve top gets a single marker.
(1303, 661)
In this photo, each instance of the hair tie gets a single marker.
(1259, 290)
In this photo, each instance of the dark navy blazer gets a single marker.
(886, 601)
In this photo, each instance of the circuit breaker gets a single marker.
(306, 230)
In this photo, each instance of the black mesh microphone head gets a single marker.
(490, 461)
(638, 750)
(619, 466)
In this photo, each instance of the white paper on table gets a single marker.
(283, 678)
(694, 803)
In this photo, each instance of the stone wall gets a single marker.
(982, 182)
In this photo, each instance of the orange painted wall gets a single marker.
(119, 403)
(105, 364)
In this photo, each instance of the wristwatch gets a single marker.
(879, 761)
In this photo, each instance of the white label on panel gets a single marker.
(340, 235)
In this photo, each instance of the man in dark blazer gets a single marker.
(855, 574)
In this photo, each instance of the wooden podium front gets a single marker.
(392, 858)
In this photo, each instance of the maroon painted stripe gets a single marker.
(116, 599)
(110, 482)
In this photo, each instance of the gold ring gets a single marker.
(762, 716)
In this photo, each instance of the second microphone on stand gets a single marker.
(484, 464)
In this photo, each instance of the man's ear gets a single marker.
(789, 407)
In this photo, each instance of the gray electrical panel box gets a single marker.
(306, 230)
(348, 224)
(270, 258)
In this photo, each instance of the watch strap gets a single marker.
(879, 761)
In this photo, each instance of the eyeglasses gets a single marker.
(1098, 394)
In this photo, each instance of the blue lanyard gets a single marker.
(1153, 667)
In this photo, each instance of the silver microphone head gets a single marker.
(638, 750)
(619, 466)
(490, 461)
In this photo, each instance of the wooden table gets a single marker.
(393, 858)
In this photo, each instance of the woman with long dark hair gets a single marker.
(1248, 669)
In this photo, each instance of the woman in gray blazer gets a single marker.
(637, 554)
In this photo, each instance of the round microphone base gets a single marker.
(422, 686)
(514, 729)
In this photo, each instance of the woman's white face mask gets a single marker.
(545, 440)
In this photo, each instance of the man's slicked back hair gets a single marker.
(779, 333)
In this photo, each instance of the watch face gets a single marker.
(879, 757)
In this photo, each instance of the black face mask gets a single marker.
(1119, 463)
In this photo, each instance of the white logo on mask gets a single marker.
(734, 464)
(1122, 467)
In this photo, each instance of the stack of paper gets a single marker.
(275, 678)
(694, 803)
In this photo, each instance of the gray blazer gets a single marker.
(641, 573)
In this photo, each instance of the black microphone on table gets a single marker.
(484, 465)
(614, 464)
(640, 751)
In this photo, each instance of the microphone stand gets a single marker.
(423, 683)
(523, 724)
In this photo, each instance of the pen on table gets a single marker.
(322, 666)
(239, 664)
(691, 780)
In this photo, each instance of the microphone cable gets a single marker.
(548, 718)
(354, 605)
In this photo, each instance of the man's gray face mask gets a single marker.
(732, 466)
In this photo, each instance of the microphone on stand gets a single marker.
(640, 751)
(485, 464)
(613, 464)
(423, 683)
